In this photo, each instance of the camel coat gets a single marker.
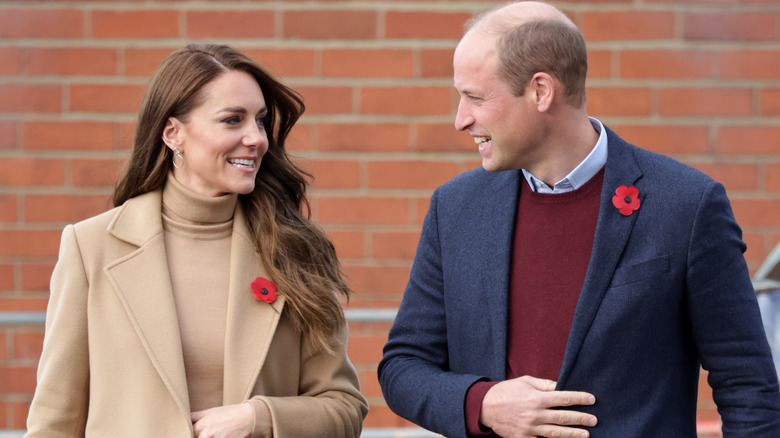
(112, 357)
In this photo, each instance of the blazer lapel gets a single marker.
(495, 215)
(250, 323)
(142, 283)
(612, 232)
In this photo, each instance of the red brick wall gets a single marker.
(695, 79)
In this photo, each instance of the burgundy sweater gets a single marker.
(553, 239)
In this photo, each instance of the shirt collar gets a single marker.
(581, 174)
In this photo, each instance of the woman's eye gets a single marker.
(232, 120)
(262, 120)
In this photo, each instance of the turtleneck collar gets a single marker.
(183, 205)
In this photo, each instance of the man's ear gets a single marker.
(543, 87)
(172, 132)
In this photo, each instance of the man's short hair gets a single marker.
(549, 46)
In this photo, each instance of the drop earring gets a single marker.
(177, 154)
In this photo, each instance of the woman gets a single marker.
(205, 303)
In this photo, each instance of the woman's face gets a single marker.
(223, 139)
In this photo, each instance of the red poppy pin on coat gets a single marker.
(264, 289)
(626, 200)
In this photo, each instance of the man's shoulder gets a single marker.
(477, 181)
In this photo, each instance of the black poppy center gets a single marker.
(627, 199)
(264, 291)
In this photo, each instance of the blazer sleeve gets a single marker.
(59, 406)
(726, 322)
(329, 404)
(414, 372)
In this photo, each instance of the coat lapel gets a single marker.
(142, 283)
(612, 233)
(250, 323)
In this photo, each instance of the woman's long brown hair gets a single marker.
(297, 255)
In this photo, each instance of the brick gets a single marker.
(326, 100)
(334, 174)
(365, 349)
(666, 139)
(421, 208)
(772, 182)
(394, 245)
(755, 248)
(627, 25)
(443, 137)
(382, 417)
(135, 23)
(770, 102)
(35, 277)
(17, 380)
(31, 172)
(7, 135)
(363, 210)
(4, 355)
(369, 384)
(378, 280)
(108, 98)
(753, 64)
(349, 244)
(65, 61)
(423, 24)
(618, 101)
(27, 345)
(729, 26)
(29, 243)
(287, 62)
(705, 102)
(300, 138)
(599, 64)
(748, 140)
(126, 135)
(330, 24)
(23, 305)
(93, 136)
(41, 23)
(10, 61)
(34, 98)
(230, 24)
(436, 63)
(363, 137)
(143, 62)
(19, 415)
(665, 64)
(96, 172)
(6, 278)
(410, 174)
(8, 209)
(756, 212)
(406, 100)
(63, 207)
(734, 176)
(367, 63)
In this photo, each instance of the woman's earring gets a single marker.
(177, 154)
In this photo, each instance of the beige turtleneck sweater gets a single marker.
(197, 232)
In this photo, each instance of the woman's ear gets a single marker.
(171, 135)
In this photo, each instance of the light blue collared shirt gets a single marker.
(582, 173)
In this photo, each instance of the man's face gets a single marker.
(502, 124)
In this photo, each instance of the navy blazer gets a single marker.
(666, 291)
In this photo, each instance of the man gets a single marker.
(573, 285)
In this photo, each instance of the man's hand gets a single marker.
(521, 408)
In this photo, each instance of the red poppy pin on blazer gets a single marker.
(626, 200)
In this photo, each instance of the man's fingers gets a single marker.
(568, 398)
(567, 418)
